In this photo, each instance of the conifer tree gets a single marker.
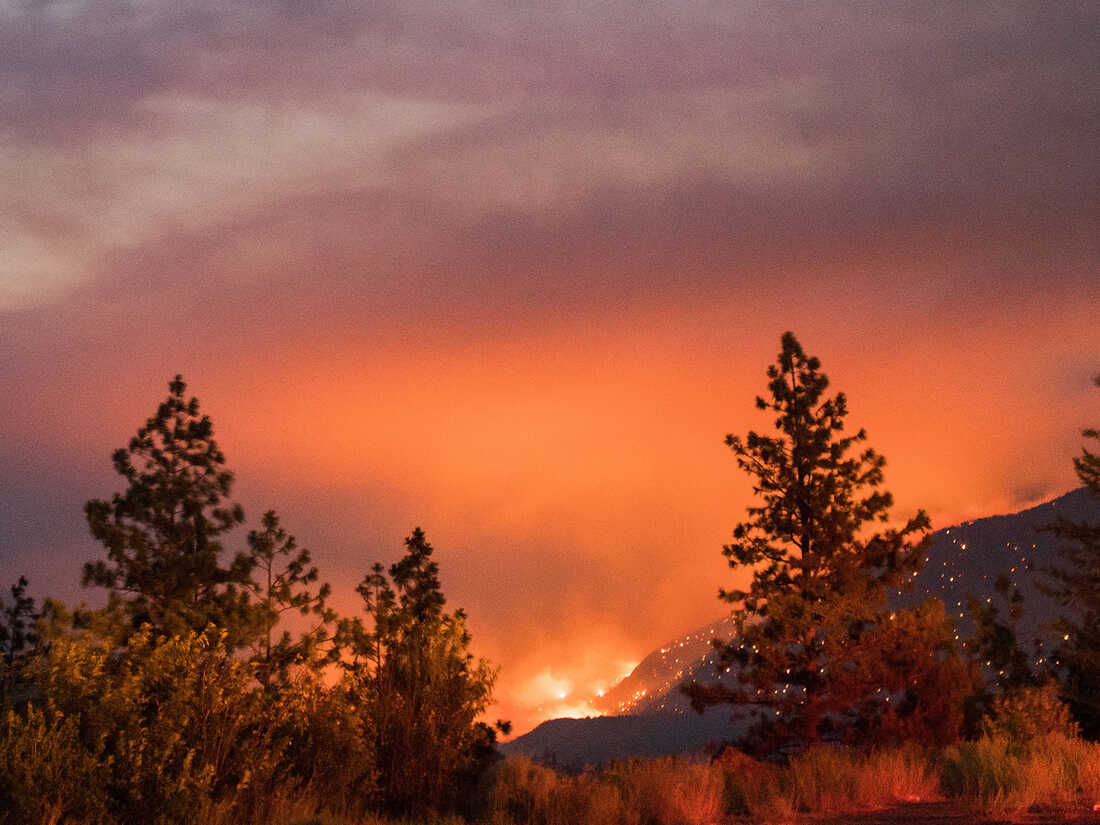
(1075, 583)
(18, 635)
(284, 578)
(163, 532)
(821, 559)
(17, 631)
(419, 685)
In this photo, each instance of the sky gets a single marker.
(510, 271)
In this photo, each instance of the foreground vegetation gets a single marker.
(996, 777)
(188, 699)
(993, 776)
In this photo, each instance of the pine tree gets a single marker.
(1075, 583)
(819, 572)
(18, 635)
(284, 579)
(17, 631)
(163, 532)
(419, 685)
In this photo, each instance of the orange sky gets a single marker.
(573, 480)
(511, 272)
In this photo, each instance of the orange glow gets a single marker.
(574, 481)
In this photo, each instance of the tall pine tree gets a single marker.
(163, 532)
(1075, 583)
(419, 686)
(821, 559)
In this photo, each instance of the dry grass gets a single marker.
(672, 791)
(1002, 777)
(638, 792)
(830, 781)
(839, 781)
(993, 776)
(523, 792)
(683, 792)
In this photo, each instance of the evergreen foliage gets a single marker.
(17, 631)
(1075, 582)
(18, 635)
(817, 598)
(421, 690)
(996, 645)
(285, 576)
(163, 532)
(147, 711)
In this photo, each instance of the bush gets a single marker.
(174, 720)
(1023, 715)
(174, 728)
(46, 775)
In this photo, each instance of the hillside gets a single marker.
(649, 715)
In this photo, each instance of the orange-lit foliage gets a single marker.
(821, 558)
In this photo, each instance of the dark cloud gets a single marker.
(97, 61)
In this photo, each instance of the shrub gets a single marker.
(174, 724)
(326, 749)
(1023, 715)
(46, 775)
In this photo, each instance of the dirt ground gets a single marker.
(951, 813)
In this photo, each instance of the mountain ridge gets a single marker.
(962, 562)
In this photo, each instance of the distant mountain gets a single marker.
(646, 689)
(575, 743)
(964, 561)
(651, 717)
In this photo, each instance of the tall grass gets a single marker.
(831, 781)
(993, 777)
(835, 780)
(638, 792)
(671, 791)
(684, 792)
(1002, 776)
(996, 776)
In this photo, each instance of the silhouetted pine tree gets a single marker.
(162, 533)
(284, 577)
(17, 635)
(819, 574)
(419, 685)
(17, 632)
(1075, 582)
